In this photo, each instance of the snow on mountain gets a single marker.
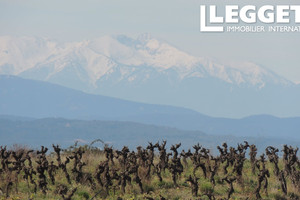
(150, 70)
(118, 59)
(21, 53)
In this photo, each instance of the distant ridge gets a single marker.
(35, 133)
(23, 97)
(37, 99)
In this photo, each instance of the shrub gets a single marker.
(206, 188)
(84, 194)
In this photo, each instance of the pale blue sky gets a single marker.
(176, 21)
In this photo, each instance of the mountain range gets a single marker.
(150, 70)
(22, 98)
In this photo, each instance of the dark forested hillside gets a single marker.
(65, 132)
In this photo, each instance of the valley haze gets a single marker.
(23, 102)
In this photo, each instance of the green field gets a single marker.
(152, 172)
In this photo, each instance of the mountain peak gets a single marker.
(123, 57)
(149, 70)
(145, 37)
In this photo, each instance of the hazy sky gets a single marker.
(175, 21)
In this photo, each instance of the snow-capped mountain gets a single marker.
(142, 69)
(19, 54)
(102, 57)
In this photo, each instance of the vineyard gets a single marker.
(152, 172)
